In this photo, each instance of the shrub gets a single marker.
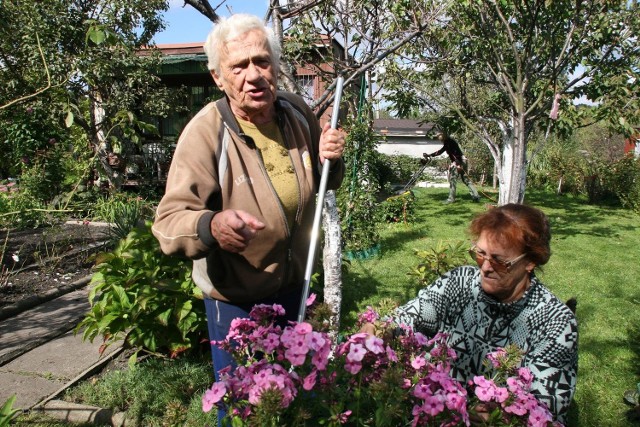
(123, 212)
(357, 196)
(399, 208)
(436, 261)
(145, 298)
(624, 178)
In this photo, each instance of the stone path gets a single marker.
(40, 356)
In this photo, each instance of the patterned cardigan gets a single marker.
(538, 323)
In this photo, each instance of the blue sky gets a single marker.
(185, 24)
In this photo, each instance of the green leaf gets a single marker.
(97, 36)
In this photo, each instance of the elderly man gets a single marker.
(241, 189)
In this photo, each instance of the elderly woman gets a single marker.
(501, 302)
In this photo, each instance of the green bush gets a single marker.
(356, 197)
(436, 261)
(123, 212)
(624, 181)
(399, 208)
(396, 168)
(145, 298)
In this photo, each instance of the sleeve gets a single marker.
(554, 365)
(437, 153)
(185, 211)
(426, 312)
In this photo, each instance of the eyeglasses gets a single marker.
(499, 266)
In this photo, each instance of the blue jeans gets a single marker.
(221, 313)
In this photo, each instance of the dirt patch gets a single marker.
(39, 260)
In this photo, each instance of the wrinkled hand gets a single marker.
(331, 143)
(368, 328)
(479, 414)
(234, 229)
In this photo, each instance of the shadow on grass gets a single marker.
(570, 216)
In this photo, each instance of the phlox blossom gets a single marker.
(524, 374)
(418, 363)
(497, 357)
(310, 300)
(539, 417)
(213, 396)
(356, 353)
(368, 316)
(374, 344)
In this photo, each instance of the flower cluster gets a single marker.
(294, 375)
(505, 397)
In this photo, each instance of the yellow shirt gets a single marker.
(277, 162)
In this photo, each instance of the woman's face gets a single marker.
(505, 286)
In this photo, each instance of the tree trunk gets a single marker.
(513, 172)
(332, 260)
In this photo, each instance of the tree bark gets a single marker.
(332, 260)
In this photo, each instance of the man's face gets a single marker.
(248, 77)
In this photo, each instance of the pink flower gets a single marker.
(311, 299)
(433, 405)
(344, 417)
(369, 316)
(516, 408)
(497, 357)
(303, 328)
(352, 367)
(525, 376)
(539, 417)
(374, 344)
(356, 353)
(213, 396)
(310, 381)
(501, 394)
(418, 363)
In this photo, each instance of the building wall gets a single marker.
(408, 146)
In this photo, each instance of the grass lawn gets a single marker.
(595, 253)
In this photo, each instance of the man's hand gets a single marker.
(234, 229)
(331, 143)
(425, 158)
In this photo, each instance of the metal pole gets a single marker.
(315, 231)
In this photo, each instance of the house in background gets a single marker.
(184, 70)
(632, 144)
(404, 136)
(185, 65)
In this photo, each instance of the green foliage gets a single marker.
(436, 261)
(123, 212)
(357, 195)
(398, 208)
(144, 297)
(625, 181)
(156, 392)
(7, 412)
(73, 70)
(396, 169)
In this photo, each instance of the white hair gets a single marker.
(230, 28)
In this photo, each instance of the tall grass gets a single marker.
(595, 253)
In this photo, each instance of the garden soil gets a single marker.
(38, 261)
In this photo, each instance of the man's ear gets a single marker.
(217, 80)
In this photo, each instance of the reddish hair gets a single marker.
(516, 225)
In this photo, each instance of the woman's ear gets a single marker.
(530, 266)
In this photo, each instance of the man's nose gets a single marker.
(253, 72)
